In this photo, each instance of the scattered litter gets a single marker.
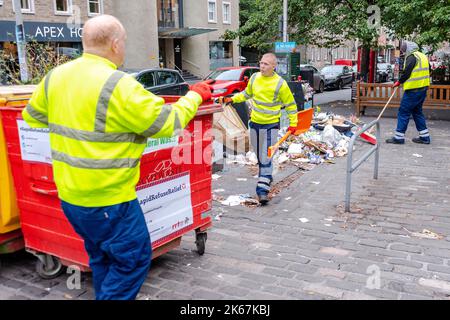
(328, 219)
(315, 182)
(241, 179)
(427, 234)
(217, 198)
(417, 155)
(301, 160)
(288, 198)
(303, 220)
(295, 148)
(188, 265)
(252, 158)
(283, 158)
(327, 225)
(285, 210)
(215, 176)
(219, 190)
(236, 200)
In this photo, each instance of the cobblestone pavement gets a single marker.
(378, 251)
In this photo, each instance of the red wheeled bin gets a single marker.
(174, 190)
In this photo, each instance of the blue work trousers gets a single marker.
(262, 136)
(118, 244)
(411, 105)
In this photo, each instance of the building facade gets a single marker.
(181, 34)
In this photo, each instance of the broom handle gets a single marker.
(276, 145)
(392, 95)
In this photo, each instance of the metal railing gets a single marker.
(352, 167)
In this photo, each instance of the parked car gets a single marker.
(319, 79)
(385, 72)
(337, 76)
(165, 82)
(230, 80)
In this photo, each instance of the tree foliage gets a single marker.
(328, 23)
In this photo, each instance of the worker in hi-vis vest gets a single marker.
(415, 80)
(269, 93)
(99, 120)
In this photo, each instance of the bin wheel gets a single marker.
(201, 242)
(48, 267)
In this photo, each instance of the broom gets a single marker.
(368, 135)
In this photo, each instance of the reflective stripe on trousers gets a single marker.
(261, 137)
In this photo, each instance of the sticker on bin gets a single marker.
(160, 144)
(167, 205)
(34, 143)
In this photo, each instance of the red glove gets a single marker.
(225, 100)
(203, 89)
(292, 130)
(396, 84)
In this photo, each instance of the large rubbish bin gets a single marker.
(181, 164)
(11, 239)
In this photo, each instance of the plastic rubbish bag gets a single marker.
(295, 148)
(330, 135)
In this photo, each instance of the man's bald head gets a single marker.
(105, 36)
(267, 64)
(271, 56)
(101, 30)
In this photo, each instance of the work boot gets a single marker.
(263, 199)
(395, 141)
(420, 140)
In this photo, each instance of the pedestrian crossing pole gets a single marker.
(21, 41)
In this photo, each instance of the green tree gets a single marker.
(424, 21)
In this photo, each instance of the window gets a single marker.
(212, 11)
(95, 7)
(63, 6)
(147, 79)
(220, 54)
(27, 6)
(165, 77)
(227, 13)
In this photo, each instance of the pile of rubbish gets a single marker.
(328, 138)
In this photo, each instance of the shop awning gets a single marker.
(182, 32)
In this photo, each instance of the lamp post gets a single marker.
(21, 42)
(285, 20)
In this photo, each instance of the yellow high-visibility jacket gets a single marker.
(99, 120)
(420, 75)
(269, 94)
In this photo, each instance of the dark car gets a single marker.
(384, 72)
(162, 82)
(319, 79)
(337, 76)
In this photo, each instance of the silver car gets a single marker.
(318, 78)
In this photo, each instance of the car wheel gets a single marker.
(340, 85)
(321, 87)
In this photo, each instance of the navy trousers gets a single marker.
(411, 104)
(262, 136)
(118, 244)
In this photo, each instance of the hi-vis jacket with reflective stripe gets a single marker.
(269, 94)
(420, 75)
(99, 120)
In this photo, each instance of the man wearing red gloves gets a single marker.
(99, 120)
(415, 80)
(269, 93)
